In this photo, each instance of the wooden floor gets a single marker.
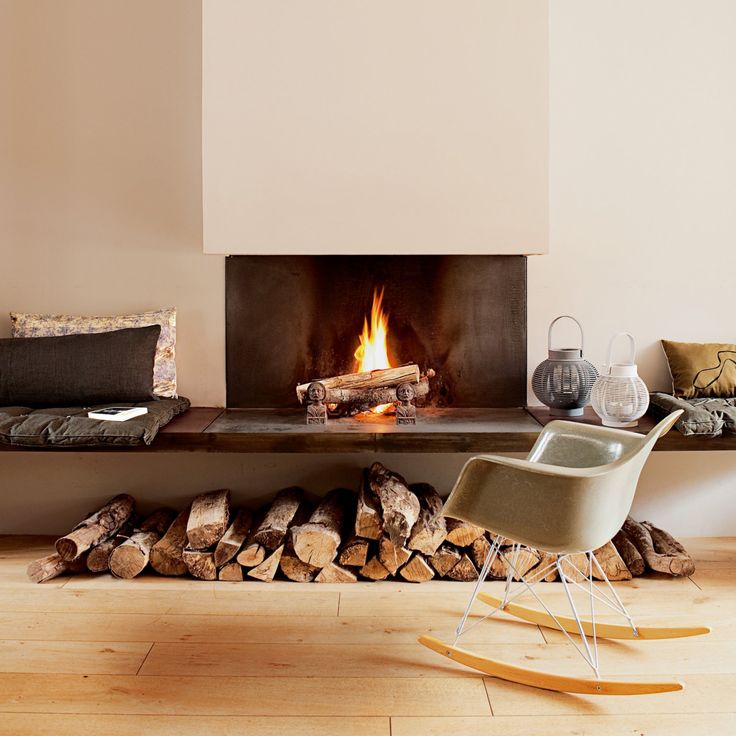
(167, 656)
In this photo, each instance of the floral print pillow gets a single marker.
(55, 325)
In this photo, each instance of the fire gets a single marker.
(372, 352)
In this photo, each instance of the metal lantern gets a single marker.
(563, 381)
(620, 397)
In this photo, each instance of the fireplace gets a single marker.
(294, 319)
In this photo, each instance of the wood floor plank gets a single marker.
(256, 629)
(303, 660)
(252, 696)
(624, 725)
(35, 724)
(702, 694)
(208, 600)
(88, 658)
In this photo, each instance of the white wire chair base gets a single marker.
(588, 646)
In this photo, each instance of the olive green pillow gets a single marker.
(701, 370)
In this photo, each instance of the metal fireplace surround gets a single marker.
(291, 319)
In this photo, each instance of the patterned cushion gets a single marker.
(56, 325)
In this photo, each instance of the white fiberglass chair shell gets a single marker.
(570, 495)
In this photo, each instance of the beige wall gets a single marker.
(100, 212)
(100, 170)
(389, 126)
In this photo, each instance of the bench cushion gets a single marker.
(71, 427)
(709, 417)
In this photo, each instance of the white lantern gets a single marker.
(619, 397)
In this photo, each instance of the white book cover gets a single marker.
(117, 413)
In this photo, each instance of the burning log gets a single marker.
(96, 528)
(380, 378)
(360, 399)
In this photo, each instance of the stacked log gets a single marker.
(386, 530)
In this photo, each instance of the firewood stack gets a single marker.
(387, 530)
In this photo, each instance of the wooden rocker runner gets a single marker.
(570, 495)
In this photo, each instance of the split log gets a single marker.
(545, 570)
(431, 529)
(368, 379)
(417, 570)
(230, 571)
(266, 571)
(374, 570)
(462, 533)
(479, 550)
(271, 532)
(208, 519)
(233, 539)
(132, 556)
(680, 562)
(391, 556)
(96, 528)
(317, 541)
(200, 563)
(368, 397)
(629, 553)
(610, 560)
(444, 560)
(399, 505)
(669, 561)
(47, 568)
(354, 552)
(464, 570)
(576, 566)
(167, 553)
(333, 573)
(368, 520)
(293, 568)
(526, 560)
(98, 558)
(252, 555)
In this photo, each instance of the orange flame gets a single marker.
(372, 352)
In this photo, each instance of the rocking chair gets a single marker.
(571, 495)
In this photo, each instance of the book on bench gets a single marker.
(117, 413)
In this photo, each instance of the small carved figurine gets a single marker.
(316, 408)
(406, 412)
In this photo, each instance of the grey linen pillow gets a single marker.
(78, 369)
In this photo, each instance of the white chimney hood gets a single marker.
(374, 126)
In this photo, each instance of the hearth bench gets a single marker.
(211, 429)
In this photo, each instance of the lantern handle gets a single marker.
(632, 348)
(557, 319)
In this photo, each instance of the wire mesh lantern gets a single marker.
(563, 382)
(620, 398)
